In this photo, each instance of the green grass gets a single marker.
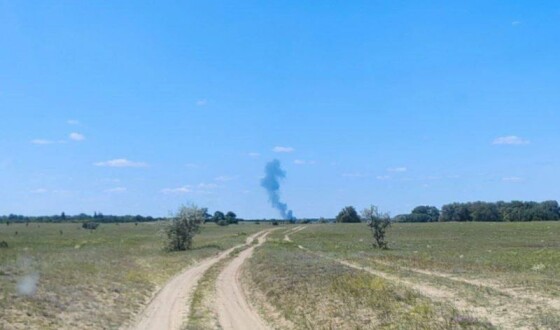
(313, 289)
(93, 279)
(526, 254)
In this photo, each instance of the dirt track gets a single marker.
(170, 305)
(233, 310)
(292, 231)
(504, 313)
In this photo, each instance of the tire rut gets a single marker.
(171, 304)
(232, 307)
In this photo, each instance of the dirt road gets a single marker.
(234, 312)
(292, 231)
(170, 305)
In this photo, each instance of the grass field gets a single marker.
(92, 279)
(440, 275)
(434, 276)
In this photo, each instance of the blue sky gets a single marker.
(136, 107)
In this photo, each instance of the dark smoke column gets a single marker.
(271, 182)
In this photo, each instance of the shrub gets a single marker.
(222, 223)
(90, 225)
(183, 227)
(275, 223)
(348, 214)
(4, 245)
(378, 223)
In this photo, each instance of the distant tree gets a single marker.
(455, 212)
(183, 227)
(63, 216)
(218, 216)
(547, 210)
(425, 214)
(231, 217)
(378, 223)
(207, 216)
(348, 214)
(481, 211)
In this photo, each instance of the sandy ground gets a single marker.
(234, 312)
(170, 305)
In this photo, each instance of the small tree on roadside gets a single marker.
(378, 223)
(183, 227)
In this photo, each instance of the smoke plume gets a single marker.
(271, 182)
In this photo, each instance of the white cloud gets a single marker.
(116, 190)
(515, 23)
(120, 162)
(224, 178)
(398, 169)
(510, 140)
(254, 154)
(512, 179)
(76, 136)
(282, 149)
(383, 177)
(42, 141)
(201, 188)
(39, 191)
(72, 122)
(355, 175)
(179, 190)
(201, 102)
(304, 162)
(207, 186)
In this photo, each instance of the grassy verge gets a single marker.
(92, 279)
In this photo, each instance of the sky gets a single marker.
(137, 107)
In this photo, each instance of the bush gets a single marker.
(348, 214)
(222, 223)
(4, 245)
(90, 225)
(183, 227)
(378, 223)
(275, 223)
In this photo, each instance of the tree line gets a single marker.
(82, 217)
(485, 211)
